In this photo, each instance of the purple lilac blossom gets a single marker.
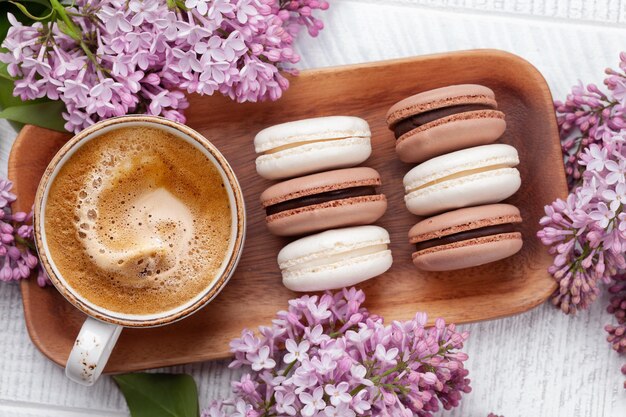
(140, 56)
(328, 356)
(17, 253)
(586, 233)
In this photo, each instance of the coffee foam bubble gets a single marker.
(154, 228)
(151, 220)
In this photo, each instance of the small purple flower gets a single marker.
(619, 91)
(338, 393)
(360, 337)
(324, 364)
(297, 352)
(261, 360)
(201, 6)
(242, 409)
(342, 410)
(245, 10)
(114, 20)
(219, 9)
(312, 402)
(104, 89)
(615, 197)
(617, 170)
(318, 311)
(144, 11)
(316, 335)
(135, 41)
(596, 158)
(75, 90)
(386, 356)
(284, 403)
(359, 404)
(6, 196)
(159, 101)
(603, 215)
(359, 373)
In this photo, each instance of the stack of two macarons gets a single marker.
(323, 191)
(450, 132)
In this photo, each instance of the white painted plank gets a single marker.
(538, 364)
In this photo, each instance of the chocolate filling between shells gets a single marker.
(466, 235)
(413, 122)
(320, 198)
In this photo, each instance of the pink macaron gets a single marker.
(443, 120)
(466, 237)
(316, 202)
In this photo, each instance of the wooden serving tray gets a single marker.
(255, 292)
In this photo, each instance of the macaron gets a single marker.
(443, 120)
(335, 259)
(480, 175)
(311, 145)
(466, 237)
(338, 198)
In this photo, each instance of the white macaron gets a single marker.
(335, 259)
(469, 177)
(311, 145)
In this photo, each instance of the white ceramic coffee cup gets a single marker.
(102, 328)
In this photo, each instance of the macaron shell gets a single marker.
(329, 127)
(468, 253)
(458, 161)
(449, 134)
(462, 220)
(319, 183)
(314, 157)
(440, 97)
(471, 190)
(331, 242)
(340, 274)
(339, 213)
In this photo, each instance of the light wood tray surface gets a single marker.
(255, 292)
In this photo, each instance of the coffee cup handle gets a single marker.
(91, 351)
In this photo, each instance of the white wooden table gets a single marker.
(541, 363)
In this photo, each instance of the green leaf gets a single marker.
(4, 73)
(7, 99)
(159, 395)
(67, 26)
(36, 7)
(28, 14)
(45, 114)
(44, 3)
(6, 95)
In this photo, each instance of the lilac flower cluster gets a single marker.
(16, 234)
(617, 306)
(589, 116)
(107, 58)
(586, 233)
(329, 357)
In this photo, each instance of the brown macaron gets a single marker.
(466, 237)
(338, 198)
(443, 120)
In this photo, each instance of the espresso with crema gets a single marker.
(138, 221)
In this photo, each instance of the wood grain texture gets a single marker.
(541, 363)
(503, 288)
